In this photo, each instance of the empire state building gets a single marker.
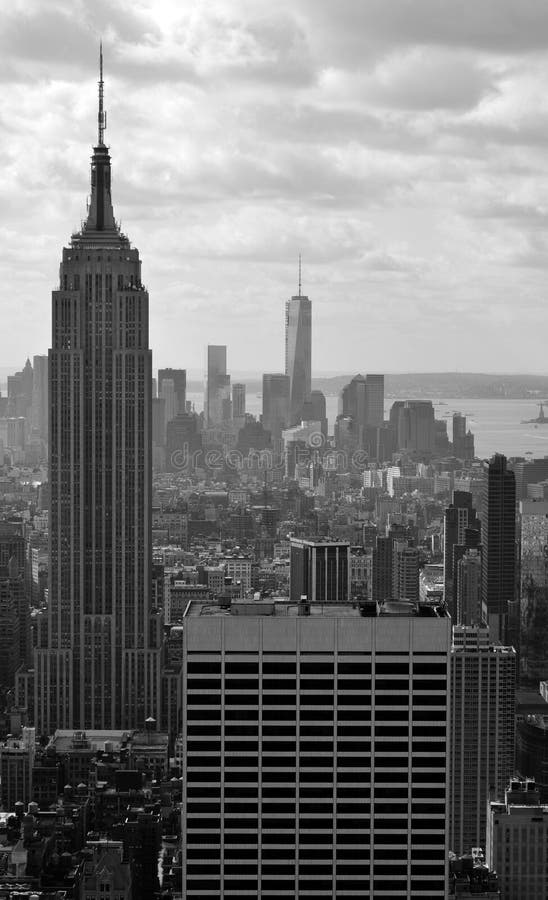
(97, 664)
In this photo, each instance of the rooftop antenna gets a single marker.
(300, 282)
(101, 115)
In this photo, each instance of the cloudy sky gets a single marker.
(400, 146)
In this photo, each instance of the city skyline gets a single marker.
(407, 170)
(296, 641)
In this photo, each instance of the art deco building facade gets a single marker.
(97, 664)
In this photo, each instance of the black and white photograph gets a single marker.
(273, 449)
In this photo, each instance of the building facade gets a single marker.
(316, 752)
(298, 355)
(217, 399)
(374, 400)
(178, 377)
(319, 571)
(97, 663)
(498, 535)
(517, 842)
(276, 393)
(483, 686)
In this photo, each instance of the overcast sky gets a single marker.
(399, 145)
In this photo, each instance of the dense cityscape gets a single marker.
(257, 656)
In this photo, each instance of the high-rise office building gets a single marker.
(374, 400)
(318, 410)
(319, 571)
(298, 354)
(353, 404)
(459, 434)
(517, 842)
(316, 751)
(383, 567)
(534, 592)
(405, 572)
(183, 443)
(20, 391)
(413, 425)
(468, 600)
(276, 392)
(238, 405)
(97, 664)
(529, 471)
(217, 399)
(158, 421)
(532, 750)
(463, 440)
(498, 531)
(10, 647)
(483, 686)
(178, 377)
(16, 764)
(459, 516)
(40, 396)
(167, 394)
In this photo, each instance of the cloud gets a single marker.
(399, 146)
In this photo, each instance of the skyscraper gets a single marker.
(534, 592)
(459, 516)
(40, 396)
(468, 593)
(298, 353)
(517, 841)
(238, 405)
(483, 685)
(374, 400)
(318, 410)
(415, 426)
(217, 399)
(178, 377)
(316, 753)
(275, 418)
(405, 573)
(167, 394)
(498, 530)
(320, 570)
(97, 664)
(459, 434)
(383, 564)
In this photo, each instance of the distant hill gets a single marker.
(432, 385)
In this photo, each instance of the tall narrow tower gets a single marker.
(298, 352)
(498, 530)
(97, 664)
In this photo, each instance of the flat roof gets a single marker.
(66, 739)
(285, 608)
(318, 542)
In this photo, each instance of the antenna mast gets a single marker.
(300, 285)
(101, 115)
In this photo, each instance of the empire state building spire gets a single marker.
(101, 115)
(100, 213)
